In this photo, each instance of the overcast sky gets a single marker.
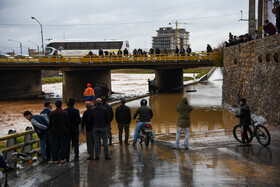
(137, 21)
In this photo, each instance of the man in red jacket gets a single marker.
(60, 130)
(269, 28)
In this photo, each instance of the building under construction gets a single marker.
(166, 39)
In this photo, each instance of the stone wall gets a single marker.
(252, 70)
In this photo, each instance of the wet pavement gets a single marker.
(204, 164)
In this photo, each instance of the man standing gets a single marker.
(245, 120)
(189, 50)
(111, 116)
(60, 131)
(87, 130)
(89, 94)
(75, 120)
(209, 49)
(276, 11)
(123, 118)
(46, 113)
(97, 91)
(99, 118)
(47, 110)
(183, 122)
(40, 125)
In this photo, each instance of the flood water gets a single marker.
(208, 114)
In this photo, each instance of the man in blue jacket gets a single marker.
(40, 125)
(75, 120)
(46, 113)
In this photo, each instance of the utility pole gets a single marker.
(260, 18)
(252, 19)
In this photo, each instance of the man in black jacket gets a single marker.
(75, 120)
(245, 119)
(60, 132)
(123, 118)
(111, 116)
(99, 118)
(145, 115)
(87, 130)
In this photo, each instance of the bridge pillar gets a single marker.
(75, 82)
(169, 79)
(20, 84)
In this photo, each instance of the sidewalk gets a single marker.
(159, 165)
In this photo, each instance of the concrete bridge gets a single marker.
(21, 77)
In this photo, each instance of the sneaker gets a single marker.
(186, 148)
(120, 143)
(127, 143)
(108, 158)
(134, 144)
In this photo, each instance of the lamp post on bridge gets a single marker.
(43, 50)
(35, 44)
(20, 44)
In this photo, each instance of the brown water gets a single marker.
(207, 116)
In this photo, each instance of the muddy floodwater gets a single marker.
(208, 115)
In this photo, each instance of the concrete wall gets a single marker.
(252, 70)
(20, 84)
(75, 82)
(169, 79)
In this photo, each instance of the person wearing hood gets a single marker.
(183, 122)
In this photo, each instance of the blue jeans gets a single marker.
(43, 141)
(178, 134)
(137, 131)
(97, 134)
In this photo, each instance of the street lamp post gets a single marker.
(43, 50)
(20, 44)
(35, 44)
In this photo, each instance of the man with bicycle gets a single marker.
(245, 120)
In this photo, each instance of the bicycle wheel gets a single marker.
(263, 135)
(237, 133)
(140, 140)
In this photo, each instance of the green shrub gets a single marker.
(49, 80)
(188, 78)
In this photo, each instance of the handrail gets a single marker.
(15, 135)
(114, 58)
(11, 144)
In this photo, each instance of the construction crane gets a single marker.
(176, 30)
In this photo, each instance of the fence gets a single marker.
(112, 58)
(26, 145)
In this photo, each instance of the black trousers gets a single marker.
(74, 138)
(278, 24)
(245, 134)
(60, 146)
(126, 131)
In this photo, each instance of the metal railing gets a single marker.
(27, 144)
(113, 58)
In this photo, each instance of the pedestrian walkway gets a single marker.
(159, 165)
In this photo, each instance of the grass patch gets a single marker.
(134, 71)
(49, 80)
(19, 140)
(188, 78)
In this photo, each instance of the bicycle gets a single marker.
(256, 130)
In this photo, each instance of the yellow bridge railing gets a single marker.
(113, 58)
